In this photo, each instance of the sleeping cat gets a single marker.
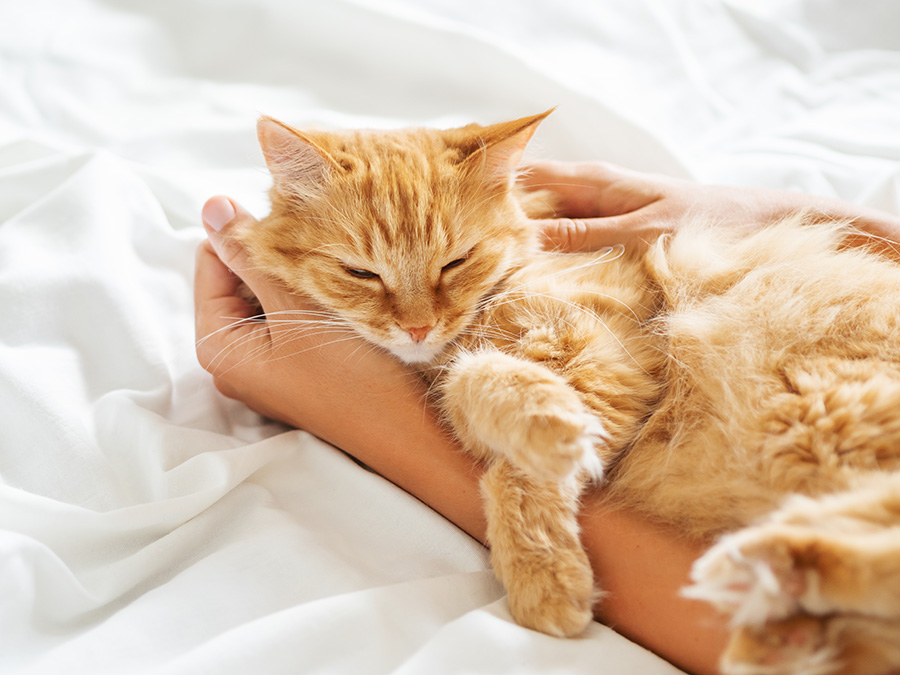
(744, 387)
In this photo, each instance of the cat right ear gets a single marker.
(298, 166)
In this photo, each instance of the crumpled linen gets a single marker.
(149, 525)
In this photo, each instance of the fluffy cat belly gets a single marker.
(784, 380)
(784, 376)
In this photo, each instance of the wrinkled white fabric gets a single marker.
(147, 524)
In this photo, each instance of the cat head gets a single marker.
(400, 233)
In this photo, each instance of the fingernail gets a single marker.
(218, 212)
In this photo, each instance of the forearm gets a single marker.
(370, 406)
(640, 567)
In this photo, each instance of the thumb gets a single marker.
(222, 219)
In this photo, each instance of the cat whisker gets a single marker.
(236, 321)
(236, 344)
(286, 329)
(619, 251)
(370, 347)
(488, 332)
(279, 343)
(345, 338)
(524, 295)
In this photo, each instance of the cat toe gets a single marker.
(752, 583)
(797, 645)
(562, 444)
(556, 600)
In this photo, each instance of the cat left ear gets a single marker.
(298, 165)
(502, 146)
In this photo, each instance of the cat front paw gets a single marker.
(554, 596)
(555, 444)
(526, 413)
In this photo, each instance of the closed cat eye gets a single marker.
(452, 264)
(360, 273)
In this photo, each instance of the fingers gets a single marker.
(548, 172)
(225, 333)
(589, 190)
(596, 173)
(579, 188)
(223, 330)
(223, 219)
(640, 228)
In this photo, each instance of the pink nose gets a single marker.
(419, 332)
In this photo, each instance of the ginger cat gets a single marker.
(743, 387)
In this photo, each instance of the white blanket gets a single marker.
(149, 525)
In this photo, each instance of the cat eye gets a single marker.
(452, 264)
(360, 274)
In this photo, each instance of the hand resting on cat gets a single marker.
(604, 205)
(251, 362)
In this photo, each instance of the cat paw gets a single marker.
(524, 412)
(558, 443)
(797, 645)
(751, 576)
(555, 598)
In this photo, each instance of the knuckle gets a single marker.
(574, 234)
(229, 249)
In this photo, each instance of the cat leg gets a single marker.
(840, 644)
(536, 551)
(500, 405)
(836, 553)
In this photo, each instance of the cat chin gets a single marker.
(416, 354)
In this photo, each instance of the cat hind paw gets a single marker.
(752, 583)
(798, 645)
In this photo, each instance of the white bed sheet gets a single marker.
(147, 524)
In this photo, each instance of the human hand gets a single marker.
(603, 204)
(231, 344)
(267, 361)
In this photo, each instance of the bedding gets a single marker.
(150, 525)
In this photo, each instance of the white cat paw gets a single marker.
(752, 580)
(798, 645)
(558, 445)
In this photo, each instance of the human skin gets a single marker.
(640, 565)
(604, 204)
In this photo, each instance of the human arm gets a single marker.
(640, 566)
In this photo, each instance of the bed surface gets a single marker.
(149, 525)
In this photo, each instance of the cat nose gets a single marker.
(418, 333)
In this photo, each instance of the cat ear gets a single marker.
(298, 165)
(501, 147)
